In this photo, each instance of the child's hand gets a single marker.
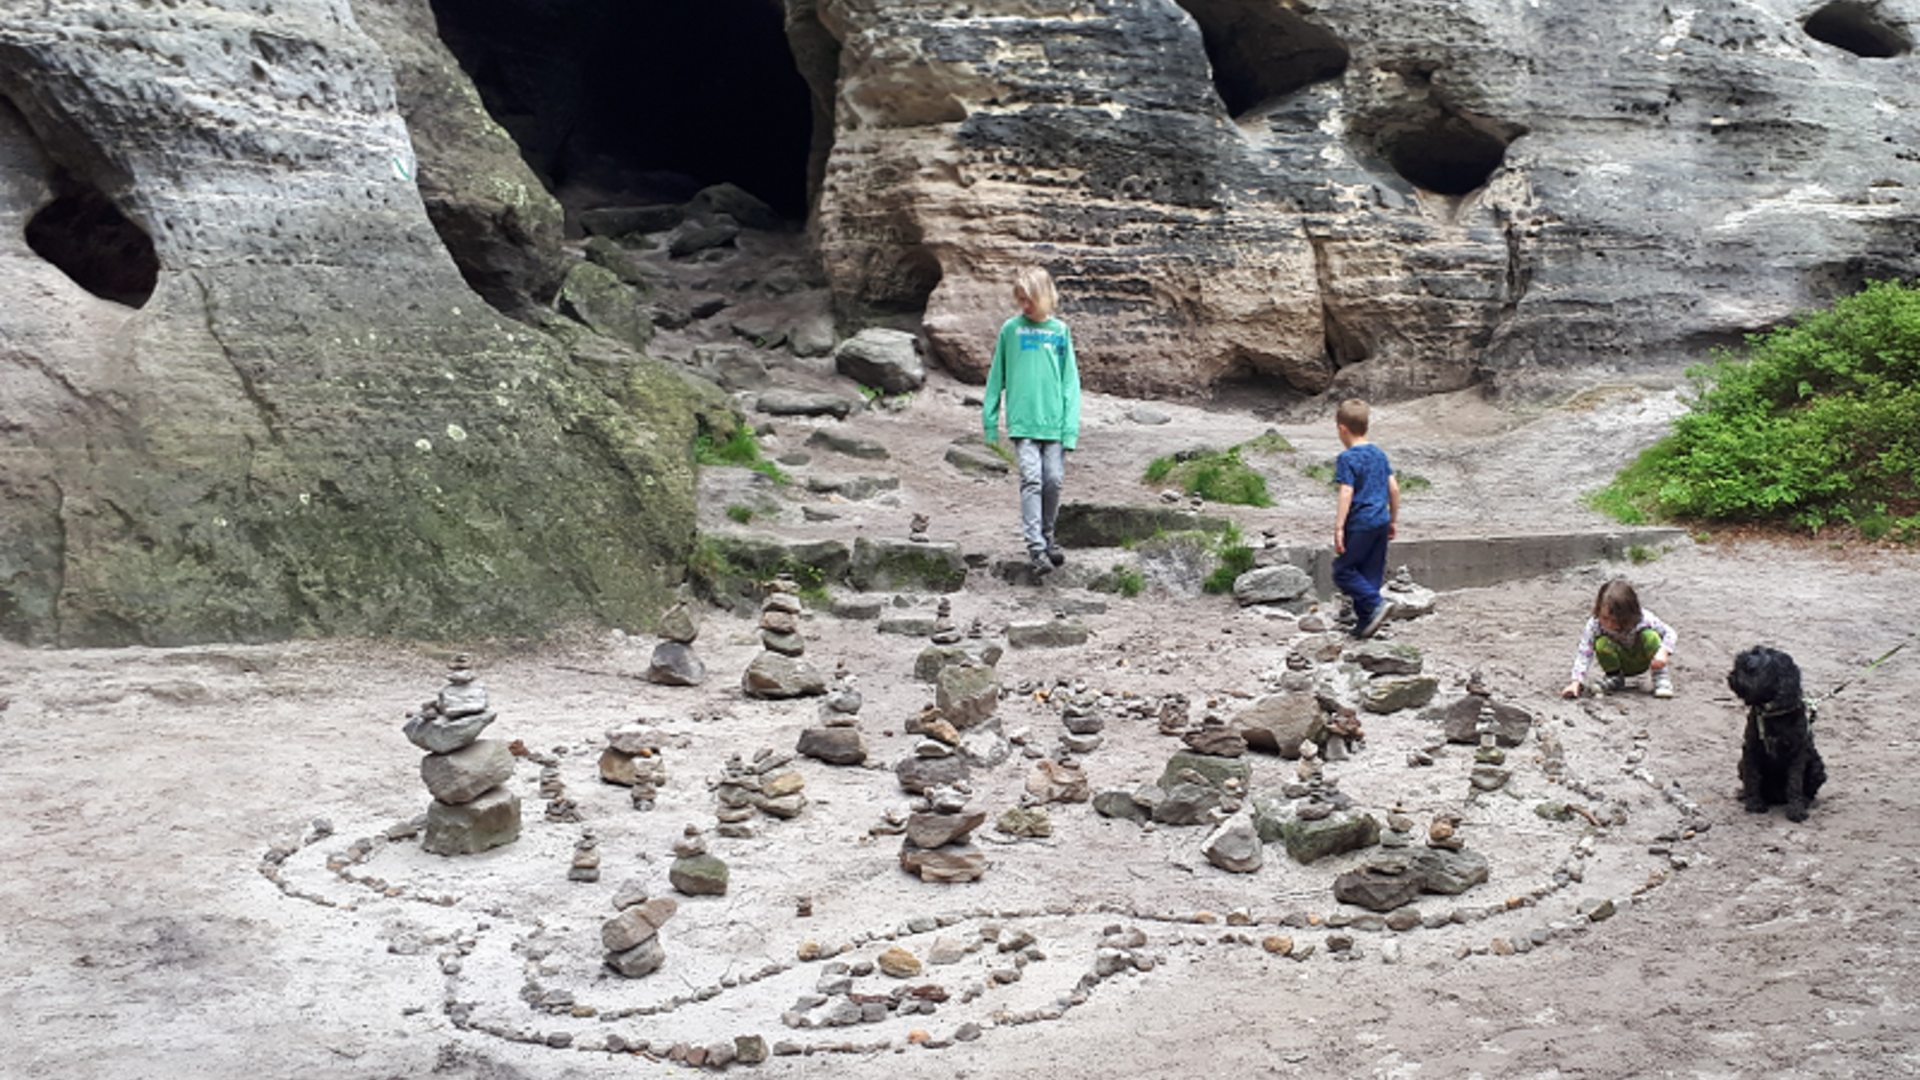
(1572, 690)
(1339, 541)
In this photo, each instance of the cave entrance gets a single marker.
(1261, 52)
(1859, 29)
(614, 102)
(84, 234)
(1431, 144)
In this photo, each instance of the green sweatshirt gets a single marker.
(1033, 364)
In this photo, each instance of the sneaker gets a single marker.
(1613, 684)
(1056, 555)
(1662, 684)
(1040, 564)
(1378, 620)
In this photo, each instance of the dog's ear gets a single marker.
(1786, 675)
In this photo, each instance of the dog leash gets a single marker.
(1884, 657)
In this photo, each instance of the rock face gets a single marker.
(247, 393)
(1402, 199)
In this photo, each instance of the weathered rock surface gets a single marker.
(260, 400)
(1511, 725)
(464, 774)
(1385, 195)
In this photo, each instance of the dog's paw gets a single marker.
(1754, 804)
(1797, 812)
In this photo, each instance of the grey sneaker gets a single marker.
(1378, 620)
(1662, 684)
(1056, 555)
(1613, 684)
(1040, 564)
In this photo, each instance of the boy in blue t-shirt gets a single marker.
(1367, 519)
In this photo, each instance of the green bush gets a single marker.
(736, 446)
(1818, 422)
(1219, 477)
(739, 513)
(1128, 581)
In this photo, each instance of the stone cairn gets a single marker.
(836, 739)
(695, 872)
(936, 847)
(633, 760)
(586, 858)
(1080, 714)
(779, 672)
(631, 938)
(674, 663)
(561, 809)
(472, 810)
(917, 530)
(1489, 761)
(747, 788)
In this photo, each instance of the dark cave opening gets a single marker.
(614, 103)
(1859, 29)
(1261, 51)
(84, 234)
(1448, 155)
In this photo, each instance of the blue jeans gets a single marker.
(1362, 569)
(1043, 466)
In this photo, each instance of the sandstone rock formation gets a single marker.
(244, 390)
(1400, 198)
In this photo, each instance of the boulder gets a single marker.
(1279, 723)
(1511, 725)
(781, 401)
(1308, 840)
(1376, 891)
(464, 774)
(604, 304)
(930, 830)
(833, 745)
(773, 677)
(905, 565)
(966, 693)
(1386, 657)
(674, 664)
(1234, 846)
(917, 774)
(850, 445)
(699, 875)
(1119, 804)
(1391, 693)
(888, 359)
(641, 960)
(1050, 634)
(1184, 803)
(736, 203)
(1273, 585)
(947, 865)
(486, 822)
(1216, 771)
(437, 734)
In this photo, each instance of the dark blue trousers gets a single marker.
(1362, 570)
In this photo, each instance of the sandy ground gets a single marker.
(142, 791)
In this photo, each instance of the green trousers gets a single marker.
(1631, 660)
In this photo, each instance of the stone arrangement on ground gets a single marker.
(780, 671)
(673, 662)
(472, 810)
(1373, 821)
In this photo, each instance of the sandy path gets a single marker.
(142, 789)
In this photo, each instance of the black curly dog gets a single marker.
(1778, 764)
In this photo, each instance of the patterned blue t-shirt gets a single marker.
(1365, 469)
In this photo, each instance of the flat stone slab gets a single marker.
(1051, 634)
(895, 565)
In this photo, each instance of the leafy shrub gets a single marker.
(1236, 558)
(1128, 581)
(1219, 477)
(739, 513)
(1818, 422)
(736, 446)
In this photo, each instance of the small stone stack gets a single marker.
(694, 872)
(944, 630)
(472, 810)
(779, 672)
(936, 847)
(1080, 715)
(674, 663)
(1489, 761)
(631, 938)
(745, 788)
(917, 530)
(837, 740)
(586, 858)
(633, 760)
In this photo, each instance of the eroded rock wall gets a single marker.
(1394, 197)
(311, 424)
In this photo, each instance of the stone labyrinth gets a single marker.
(686, 888)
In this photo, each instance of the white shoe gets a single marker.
(1662, 684)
